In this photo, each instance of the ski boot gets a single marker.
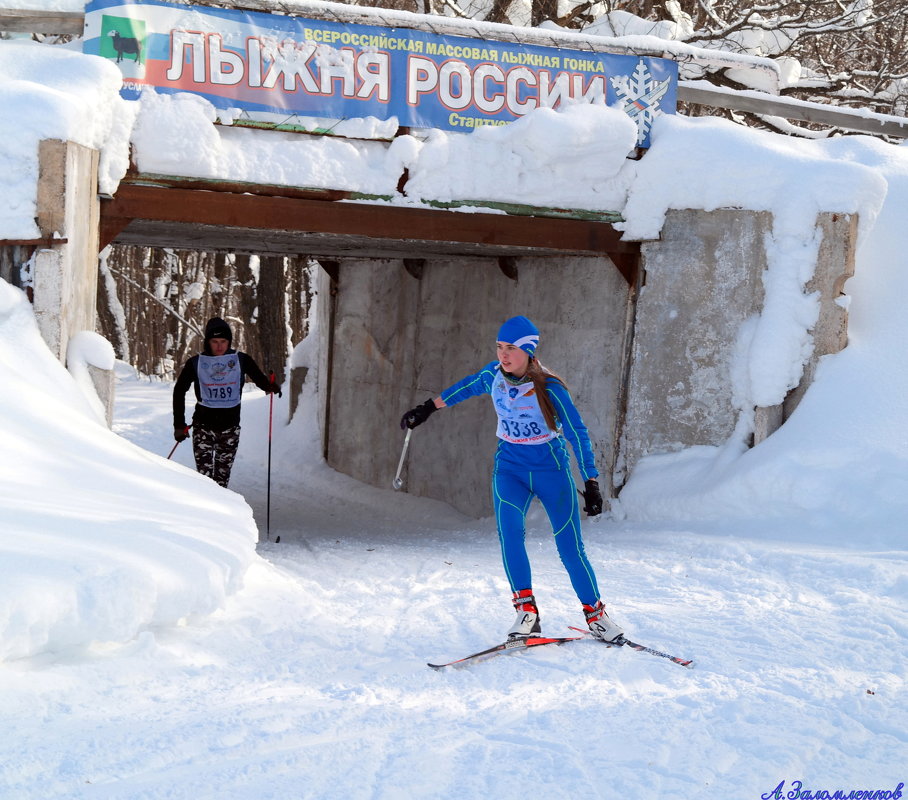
(600, 625)
(527, 622)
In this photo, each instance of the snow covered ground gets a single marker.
(312, 682)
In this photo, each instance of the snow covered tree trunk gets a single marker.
(272, 316)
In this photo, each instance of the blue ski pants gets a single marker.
(512, 493)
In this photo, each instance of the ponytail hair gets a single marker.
(540, 376)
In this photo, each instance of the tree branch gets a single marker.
(191, 325)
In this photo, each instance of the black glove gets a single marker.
(592, 498)
(275, 389)
(417, 416)
(180, 432)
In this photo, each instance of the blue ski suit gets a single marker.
(533, 461)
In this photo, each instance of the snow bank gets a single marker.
(98, 538)
(54, 93)
(711, 163)
(575, 157)
(176, 135)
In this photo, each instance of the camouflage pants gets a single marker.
(214, 451)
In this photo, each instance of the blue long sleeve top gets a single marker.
(550, 455)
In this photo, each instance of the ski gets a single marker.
(509, 647)
(625, 642)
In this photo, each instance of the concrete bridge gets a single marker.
(417, 295)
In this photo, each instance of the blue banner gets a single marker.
(272, 63)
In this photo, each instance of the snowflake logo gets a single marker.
(640, 96)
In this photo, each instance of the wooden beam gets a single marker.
(311, 193)
(374, 220)
(46, 242)
(109, 228)
(235, 187)
(628, 265)
(34, 21)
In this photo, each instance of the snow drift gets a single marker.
(99, 539)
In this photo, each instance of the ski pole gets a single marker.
(397, 483)
(174, 448)
(268, 502)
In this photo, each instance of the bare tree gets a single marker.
(846, 53)
(153, 305)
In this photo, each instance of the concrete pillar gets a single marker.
(702, 281)
(835, 265)
(66, 274)
(104, 381)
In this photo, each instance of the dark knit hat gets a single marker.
(217, 329)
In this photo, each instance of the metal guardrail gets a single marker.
(699, 93)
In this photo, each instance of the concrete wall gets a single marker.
(703, 279)
(400, 340)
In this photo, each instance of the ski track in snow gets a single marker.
(313, 682)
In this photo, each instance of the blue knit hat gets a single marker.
(520, 332)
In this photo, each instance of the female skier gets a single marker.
(535, 414)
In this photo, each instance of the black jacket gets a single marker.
(215, 419)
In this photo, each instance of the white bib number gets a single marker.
(219, 380)
(520, 419)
